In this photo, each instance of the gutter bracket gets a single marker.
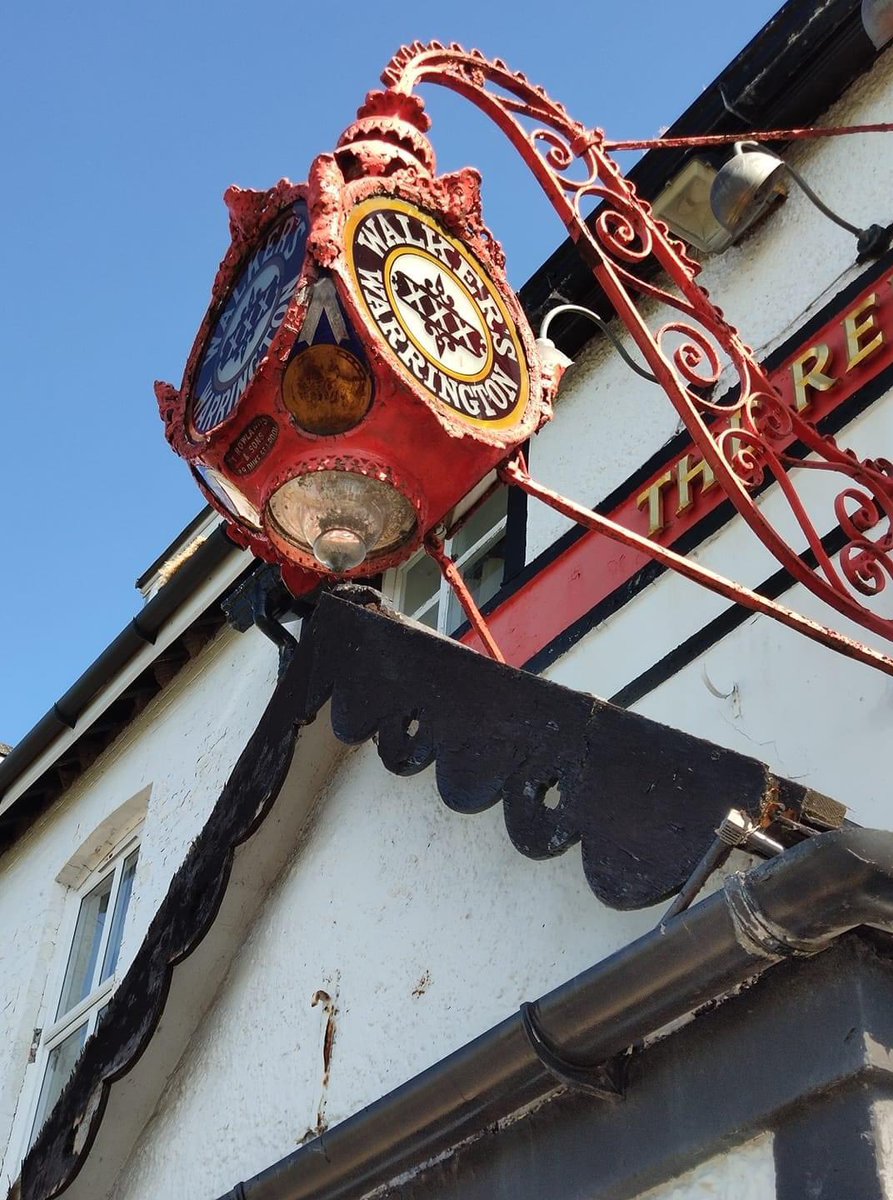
(606, 1080)
(260, 600)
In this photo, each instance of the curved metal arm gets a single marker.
(606, 330)
(632, 254)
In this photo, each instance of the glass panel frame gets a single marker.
(123, 894)
(89, 937)
(60, 1061)
(471, 544)
(89, 977)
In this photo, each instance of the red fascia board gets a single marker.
(825, 369)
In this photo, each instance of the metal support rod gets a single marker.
(717, 856)
(606, 330)
(451, 573)
(634, 259)
(512, 472)
(737, 831)
(726, 139)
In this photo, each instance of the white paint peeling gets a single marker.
(746, 1173)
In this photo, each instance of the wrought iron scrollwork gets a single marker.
(747, 434)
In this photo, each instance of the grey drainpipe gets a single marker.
(793, 905)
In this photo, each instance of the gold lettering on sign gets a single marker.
(654, 500)
(857, 330)
(809, 371)
(686, 474)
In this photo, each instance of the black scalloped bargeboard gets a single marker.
(643, 799)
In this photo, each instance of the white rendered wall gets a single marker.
(808, 712)
(425, 927)
(746, 1173)
(883, 1125)
(183, 747)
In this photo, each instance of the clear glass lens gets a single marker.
(340, 550)
(333, 500)
(341, 517)
(228, 495)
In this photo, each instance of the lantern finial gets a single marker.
(387, 136)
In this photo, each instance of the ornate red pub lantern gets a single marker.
(364, 366)
(364, 363)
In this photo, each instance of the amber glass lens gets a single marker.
(327, 390)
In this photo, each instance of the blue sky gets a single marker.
(123, 125)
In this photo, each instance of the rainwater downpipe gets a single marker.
(794, 905)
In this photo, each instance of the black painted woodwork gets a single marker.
(643, 799)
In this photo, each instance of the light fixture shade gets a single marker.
(341, 518)
(746, 186)
(364, 363)
(877, 19)
(684, 204)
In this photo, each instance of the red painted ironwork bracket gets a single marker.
(453, 576)
(515, 473)
(689, 355)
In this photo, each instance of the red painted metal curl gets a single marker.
(692, 353)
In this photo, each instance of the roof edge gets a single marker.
(143, 630)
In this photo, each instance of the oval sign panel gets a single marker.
(249, 320)
(438, 311)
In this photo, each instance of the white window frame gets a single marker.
(87, 1010)
(394, 580)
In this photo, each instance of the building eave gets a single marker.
(792, 71)
(495, 735)
(145, 655)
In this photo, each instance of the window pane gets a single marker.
(125, 889)
(81, 971)
(420, 583)
(480, 523)
(60, 1064)
(483, 577)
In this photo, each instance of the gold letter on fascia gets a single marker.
(686, 474)
(809, 371)
(653, 498)
(857, 348)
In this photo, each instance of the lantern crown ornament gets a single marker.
(364, 363)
